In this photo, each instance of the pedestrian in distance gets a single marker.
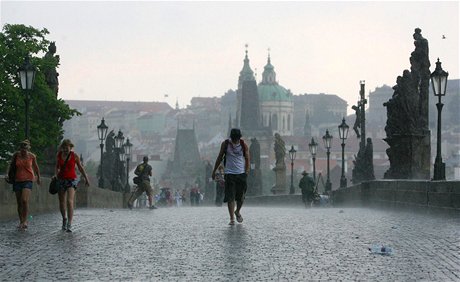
(26, 171)
(307, 185)
(66, 163)
(234, 153)
(143, 172)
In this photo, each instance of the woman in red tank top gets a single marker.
(26, 172)
(66, 161)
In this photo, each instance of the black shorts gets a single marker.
(235, 187)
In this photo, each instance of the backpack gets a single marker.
(226, 146)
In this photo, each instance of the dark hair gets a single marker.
(235, 134)
(145, 158)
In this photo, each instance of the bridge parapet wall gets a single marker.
(401, 193)
(41, 201)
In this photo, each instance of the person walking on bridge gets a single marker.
(235, 155)
(142, 180)
(66, 162)
(307, 185)
(24, 164)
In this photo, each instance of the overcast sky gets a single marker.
(140, 51)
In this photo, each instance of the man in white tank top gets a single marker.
(235, 155)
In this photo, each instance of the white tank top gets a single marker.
(234, 158)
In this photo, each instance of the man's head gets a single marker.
(145, 159)
(304, 173)
(235, 134)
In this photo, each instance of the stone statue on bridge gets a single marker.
(407, 118)
(51, 75)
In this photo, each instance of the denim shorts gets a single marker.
(18, 186)
(65, 184)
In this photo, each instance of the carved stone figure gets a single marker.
(280, 150)
(51, 75)
(357, 120)
(407, 118)
(110, 142)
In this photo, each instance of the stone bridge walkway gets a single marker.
(196, 244)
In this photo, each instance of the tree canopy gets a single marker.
(46, 112)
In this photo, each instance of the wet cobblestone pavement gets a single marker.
(196, 244)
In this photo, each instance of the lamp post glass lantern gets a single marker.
(127, 146)
(439, 83)
(292, 155)
(102, 134)
(343, 134)
(119, 139)
(26, 74)
(327, 140)
(313, 146)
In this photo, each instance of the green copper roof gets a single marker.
(246, 73)
(273, 92)
(269, 89)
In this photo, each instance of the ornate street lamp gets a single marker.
(313, 146)
(292, 157)
(327, 139)
(439, 82)
(102, 134)
(27, 75)
(127, 146)
(119, 139)
(343, 134)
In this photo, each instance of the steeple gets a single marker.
(269, 74)
(246, 73)
(177, 104)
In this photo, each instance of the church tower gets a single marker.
(248, 98)
(275, 103)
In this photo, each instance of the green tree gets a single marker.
(47, 113)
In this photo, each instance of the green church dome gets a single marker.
(273, 92)
(269, 89)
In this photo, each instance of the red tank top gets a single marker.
(67, 172)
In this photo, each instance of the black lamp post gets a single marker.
(128, 146)
(439, 82)
(292, 157)
(119, 139)
(101, 134)
(327, 139)
(343, 134)
(27, 75)
(313, 147)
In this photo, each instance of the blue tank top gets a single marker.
(234, 159)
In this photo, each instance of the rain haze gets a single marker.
(168, 51)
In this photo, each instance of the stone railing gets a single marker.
(42, 201)
(439, 195)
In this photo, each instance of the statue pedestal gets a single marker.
(409, 156)
(280, 186)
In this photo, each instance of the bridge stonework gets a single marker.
(438, 195)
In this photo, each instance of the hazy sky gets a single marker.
(140, 51)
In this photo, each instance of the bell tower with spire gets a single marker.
(249, 98)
